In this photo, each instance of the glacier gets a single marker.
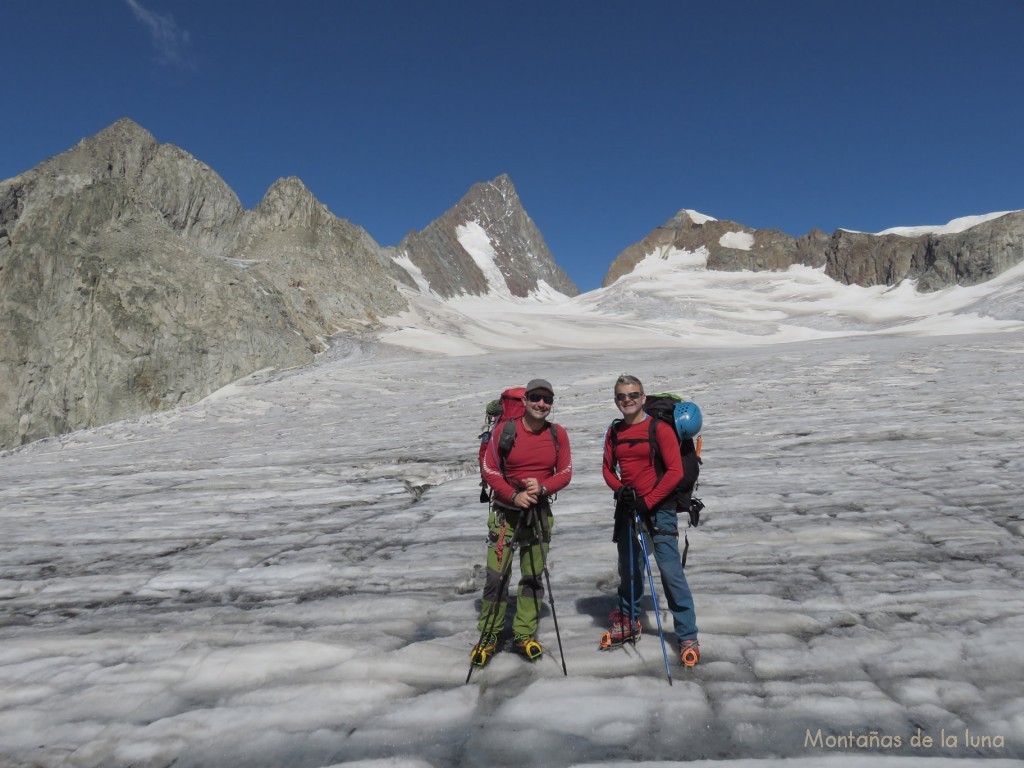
(288, 573)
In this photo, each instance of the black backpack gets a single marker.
(661, 407)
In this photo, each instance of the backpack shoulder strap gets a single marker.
(656, 459)
(501, 443)
(506, 440)
(612, 434)
(553, 429)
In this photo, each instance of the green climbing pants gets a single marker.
(533, 552)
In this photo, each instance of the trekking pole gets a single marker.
(541, 523)
(654, 596)
(506, 573)
(632, 586)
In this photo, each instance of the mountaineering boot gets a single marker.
(483, 650)
(620, 632)
(528, 646)
(689, 652)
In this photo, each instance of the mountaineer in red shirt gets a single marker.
(630, 470)
(538, 465)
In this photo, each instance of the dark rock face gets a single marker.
(132, 280)
(936, 261)
(520, 253)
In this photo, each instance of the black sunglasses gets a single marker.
(624, 396)
(533, 397)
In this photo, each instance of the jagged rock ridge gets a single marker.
(520, 253)
(934, 260)
(132, 280)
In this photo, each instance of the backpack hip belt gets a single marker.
(508, 517)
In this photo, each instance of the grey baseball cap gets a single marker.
(540, 384)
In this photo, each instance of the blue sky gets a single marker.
(608, 116)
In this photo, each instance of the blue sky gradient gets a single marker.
(609, 117)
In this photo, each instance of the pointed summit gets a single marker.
(123, 131)
(289, 203)
(122, 150)
(485, 244)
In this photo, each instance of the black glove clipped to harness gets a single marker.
(632, 502)
(625, 503)
(626, 496)
(640, 507)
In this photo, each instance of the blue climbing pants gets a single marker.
(665, 547)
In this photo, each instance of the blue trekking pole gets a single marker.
(632, 586)
(654, 595)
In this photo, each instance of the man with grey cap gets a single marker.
(523, 481)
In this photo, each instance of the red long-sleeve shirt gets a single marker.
(632, 463)
(532, 455)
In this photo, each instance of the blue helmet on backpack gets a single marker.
(688, 419)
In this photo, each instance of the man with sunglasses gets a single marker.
(643, 478)
(538, 466)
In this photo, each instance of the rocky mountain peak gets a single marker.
(486, 243)
(134, 281)
(123, 174)
(120, 149)
(290, 203)
(495, 195)
(122, 134)
(689, 219)
(690, 231)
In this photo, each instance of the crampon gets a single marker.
(484, 650)
(689, 653)
(620, 633)
(528, 647)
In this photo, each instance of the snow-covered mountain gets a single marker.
(486, 245)
(672, 300)
(966, 251)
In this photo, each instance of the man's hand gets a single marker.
(533, 487)
(524, 499)
(640, 506)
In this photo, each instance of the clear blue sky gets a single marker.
(608, 116)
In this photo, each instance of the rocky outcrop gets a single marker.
(327, 271)
(444, 253)
(132, 280)
(935, 260)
